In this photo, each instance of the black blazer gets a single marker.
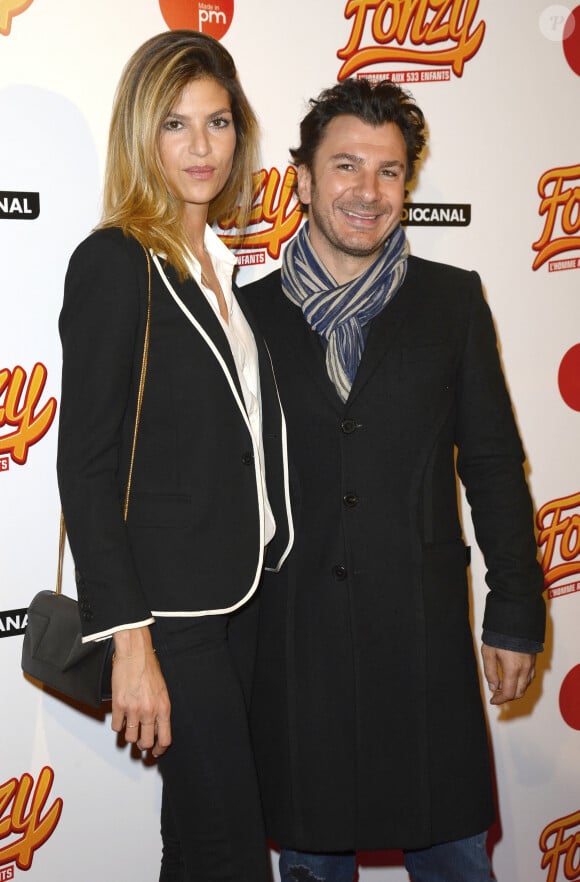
(193, 541)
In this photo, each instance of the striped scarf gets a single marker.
(338, 312)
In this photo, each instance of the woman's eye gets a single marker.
(220, 122)
(172, 125)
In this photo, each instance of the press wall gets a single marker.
(498, 191)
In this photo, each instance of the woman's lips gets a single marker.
(200, 172)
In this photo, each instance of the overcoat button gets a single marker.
(350, 500)
(348, 426)
(339, 572)
(247, 458)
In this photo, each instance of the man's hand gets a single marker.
(508, 673)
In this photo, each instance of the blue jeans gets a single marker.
(302, 866)
(464, 860)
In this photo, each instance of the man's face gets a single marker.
(355, 193)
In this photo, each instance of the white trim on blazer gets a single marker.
(258, 475)
(286, 552)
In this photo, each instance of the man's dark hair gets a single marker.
(374, 104)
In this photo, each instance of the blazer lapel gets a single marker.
(196, 304)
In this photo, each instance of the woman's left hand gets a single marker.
(141, 704)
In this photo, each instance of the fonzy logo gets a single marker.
(559, 843)
(559, 191)
(274, 219)
(26, 822)
(559, 537)
(443, 34)
(21, 412)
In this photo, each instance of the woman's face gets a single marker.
(197, 144)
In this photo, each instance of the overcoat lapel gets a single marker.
(315, 360)
(384, 330)
(305, 345)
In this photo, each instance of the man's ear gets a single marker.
(303, 184)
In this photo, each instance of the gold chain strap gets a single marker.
(141, 387)
(61, 539)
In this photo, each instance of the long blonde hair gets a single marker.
(136, 197)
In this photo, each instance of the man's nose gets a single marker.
(367, 185)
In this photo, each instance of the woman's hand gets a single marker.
(141, 703)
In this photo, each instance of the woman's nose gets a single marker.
(199, 142)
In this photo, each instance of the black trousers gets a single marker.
(212, 824)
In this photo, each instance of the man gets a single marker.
(367, 718)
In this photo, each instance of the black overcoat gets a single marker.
(367, 715)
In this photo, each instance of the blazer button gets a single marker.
(348, 426)
(247, 458)
(350, 500)
(339, 572)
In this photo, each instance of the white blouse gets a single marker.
(242, 344)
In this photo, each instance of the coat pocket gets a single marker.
(160, 510)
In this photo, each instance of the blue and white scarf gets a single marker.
(338, 312)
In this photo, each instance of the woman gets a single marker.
(166, 584)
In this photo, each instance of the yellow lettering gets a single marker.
(556, 197)
(559, 846)
(8, 9)
(19, 410)
(26, 817)
(403, 20)
(274, 206)
(558, 530)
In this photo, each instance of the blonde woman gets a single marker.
(171, 584)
